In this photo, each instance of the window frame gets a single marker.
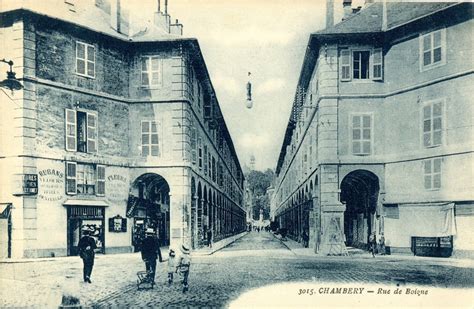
(349, 53)
(431, 103)
(150, 133)
(351, 130)
(88, 139)
(149, 72)
(432, 64)
(432, 173)
(85, 59)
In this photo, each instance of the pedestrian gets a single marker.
(382, 244)
(150, 251)
(184, 264)
(171, 266)
(372, 243)
(86, 248)
(305, 239)
(209, 238)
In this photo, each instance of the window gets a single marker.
(150, 139)
(432, 124)
(81, 131)
(214, 169)
(151, 68)
(193, 145)
(361, 134)
(85, 59)
(200, 152)
(206, 154)
(86, 179)
(432, 173)
(361, 64)
(432, 49)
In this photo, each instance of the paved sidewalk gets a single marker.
(299, 251)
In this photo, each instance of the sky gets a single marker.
(265, 37)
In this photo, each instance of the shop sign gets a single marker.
(50, 184)
(117, 224)
(30, 184)
(116, 187)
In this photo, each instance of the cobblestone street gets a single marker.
(256, 260)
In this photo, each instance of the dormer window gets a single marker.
(361, 64)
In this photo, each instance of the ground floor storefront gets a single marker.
(344, 206)
(117, 203)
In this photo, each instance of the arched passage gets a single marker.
(149, 206)
(359, 191)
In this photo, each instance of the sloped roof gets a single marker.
(369, 19)
(88, 15)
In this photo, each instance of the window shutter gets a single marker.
(345, 65)
(71, 130)
(377, 64)
(111, 225)
(71, 180)
(100, 180)
(91, 133)
(124, 224)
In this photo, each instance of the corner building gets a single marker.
(380, 137)
(118, 127)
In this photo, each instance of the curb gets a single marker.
(284, 244)
(212, 251)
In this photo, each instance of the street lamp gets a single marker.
(11, 82)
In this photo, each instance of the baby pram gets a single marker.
(144, 281)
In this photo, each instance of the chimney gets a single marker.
(347, 7)
(329, 13)
(119, 18)
(176, 28)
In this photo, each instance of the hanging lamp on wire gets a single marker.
(249, 102)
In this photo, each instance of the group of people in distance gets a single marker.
(150, 252)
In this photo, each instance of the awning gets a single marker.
(430, 220)
(93, 203)
(5, 209)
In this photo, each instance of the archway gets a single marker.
(149, 206)
(359, 191)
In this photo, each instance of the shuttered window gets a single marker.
(71, 130)
(81, 132)
(345, 65)
(432, 124)
(377, 64)
(150, 138)
(71, 180)
(361, 134)
(100, 180)
(85, 59)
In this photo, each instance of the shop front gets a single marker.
(82, 214)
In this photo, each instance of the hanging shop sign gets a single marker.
(117, 224)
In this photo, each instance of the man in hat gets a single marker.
(183, 265)
(150, 251)
(86, 248)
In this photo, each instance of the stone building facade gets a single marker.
(119, 125)
(380, 137)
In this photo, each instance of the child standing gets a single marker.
(171, 266)
(183, 266)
